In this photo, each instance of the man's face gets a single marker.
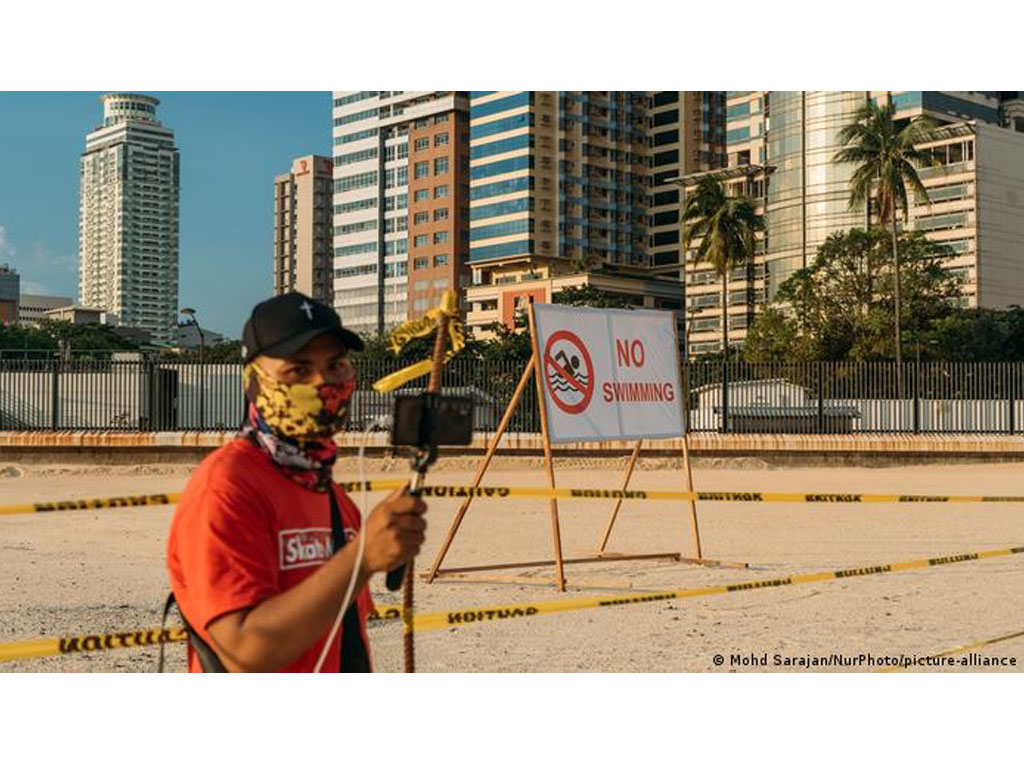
(323, 361)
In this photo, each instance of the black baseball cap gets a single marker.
(283, 325)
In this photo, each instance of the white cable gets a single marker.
(359, 555)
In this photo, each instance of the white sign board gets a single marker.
(608, 374)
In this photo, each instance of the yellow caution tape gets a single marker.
(151, 499)
(954, 651)
(155, 499)
(506, 492)
(60, 646)
(412, 329)
(53, 646)
(444, 620)
(63, 646)
(461, 491)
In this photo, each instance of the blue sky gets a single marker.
(232, 144)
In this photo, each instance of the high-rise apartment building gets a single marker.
(10, 290)
(400, 203)
(686, 134)
(780, 146)
(559, 199)
(128, 217)
(303, 238)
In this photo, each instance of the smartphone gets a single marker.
(432, 419)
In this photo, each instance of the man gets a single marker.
(257, 559)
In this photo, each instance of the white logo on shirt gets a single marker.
(304, 547)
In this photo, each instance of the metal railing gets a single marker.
(814, 397)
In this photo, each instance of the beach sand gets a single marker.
(80, 572)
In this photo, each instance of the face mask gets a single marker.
(299, 410)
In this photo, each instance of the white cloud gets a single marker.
(56, 270)
(37, 289)
(42, 258)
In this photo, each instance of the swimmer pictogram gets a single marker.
(568, 372)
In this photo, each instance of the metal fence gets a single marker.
(817, 397)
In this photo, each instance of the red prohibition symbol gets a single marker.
(568, 372)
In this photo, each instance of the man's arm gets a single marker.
(274, 633)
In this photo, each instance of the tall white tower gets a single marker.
(128, 217)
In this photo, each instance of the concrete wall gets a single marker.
(782, 450)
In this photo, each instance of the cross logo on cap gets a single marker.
(308, 309)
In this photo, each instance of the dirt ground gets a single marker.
(79, 572)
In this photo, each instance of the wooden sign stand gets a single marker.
(602, 555)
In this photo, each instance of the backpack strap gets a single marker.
(354, 657)
(208, 659)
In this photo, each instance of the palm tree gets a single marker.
(725, 226)
(887, 161)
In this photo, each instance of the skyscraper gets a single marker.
(10, 290)
(128, 217)
(400, 210)
(781, 146)
(559, 199)
(303, 257)
(686, 134)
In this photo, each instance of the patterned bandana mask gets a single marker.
(294, 424)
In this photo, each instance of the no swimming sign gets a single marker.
(608, 374)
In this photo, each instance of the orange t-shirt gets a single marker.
(244, 532)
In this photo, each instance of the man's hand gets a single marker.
(394, 532)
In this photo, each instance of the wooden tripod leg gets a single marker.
(689, 487)
(556, 533)
(618, 502)
(502, 426)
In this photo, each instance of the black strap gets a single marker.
(354, 657)
(208, 659)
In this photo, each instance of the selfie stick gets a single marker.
(421, 458)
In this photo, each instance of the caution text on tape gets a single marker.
(65, 646)
(504, 492)
(471, 616)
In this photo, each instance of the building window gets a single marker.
(420, 241)
(441, 214)
(441, 139)
(440, 166)
(421, 170)
(422, 144)
(440, 261)
(440, 237)
(420, 263)
(421, 194)
(423, 122)
(441, 119)
(441, 191)
(421, 218)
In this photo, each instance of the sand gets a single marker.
(98, 571)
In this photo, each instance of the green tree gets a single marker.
(584, 263)
(23, 337)
(976, 335)
(53, 334)
(886, 158)
(841, 307)
(726, 227)
(773, 336)
(589, 296)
